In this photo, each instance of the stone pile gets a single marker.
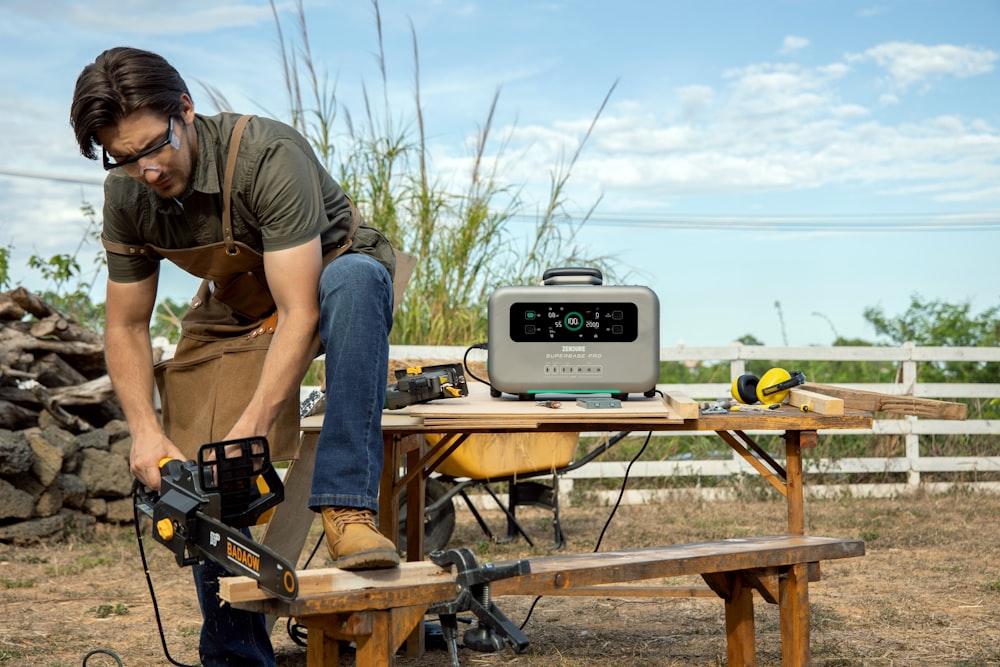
(63, 441)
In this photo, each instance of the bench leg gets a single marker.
(794, 609)
(322, 647)
(739, 623)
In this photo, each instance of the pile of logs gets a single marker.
(63, 440)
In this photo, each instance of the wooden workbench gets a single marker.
(409, 461)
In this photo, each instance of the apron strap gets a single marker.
(227, 186)
(127, 249)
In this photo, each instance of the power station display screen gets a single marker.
(574, 322)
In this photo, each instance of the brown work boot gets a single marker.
(354, 541)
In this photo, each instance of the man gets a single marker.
(165, 197)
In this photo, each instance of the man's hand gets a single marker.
(145, 457)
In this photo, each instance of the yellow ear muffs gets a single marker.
(771, 388)
(774, 385)
(744, 388)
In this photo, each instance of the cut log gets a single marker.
(92, 392)
(85, 356)
(32, 303)
(65, 419)
(14, 417)
(10, 309)
(53, 371)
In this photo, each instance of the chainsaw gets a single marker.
(202, 506)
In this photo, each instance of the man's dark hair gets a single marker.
(120, 81)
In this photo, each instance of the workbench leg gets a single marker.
(388, 506)
(393, 449)
(322, 649)
(793, 482)
(793, 590)
(373, 649)
(740, 624)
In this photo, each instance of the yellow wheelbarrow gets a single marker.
(519, 460)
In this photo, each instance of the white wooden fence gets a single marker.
(911, 465)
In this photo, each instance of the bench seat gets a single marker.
(379, 609)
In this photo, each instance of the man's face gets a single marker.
(167, 148)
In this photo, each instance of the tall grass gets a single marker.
(460, 234)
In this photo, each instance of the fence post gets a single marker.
(907, 376)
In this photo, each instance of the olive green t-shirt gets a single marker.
(282, 197)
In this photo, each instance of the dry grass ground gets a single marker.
(927, 592)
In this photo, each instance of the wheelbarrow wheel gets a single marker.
(438, 525)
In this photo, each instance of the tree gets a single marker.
(937, 323)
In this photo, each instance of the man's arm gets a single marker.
(130, 365)
(293, 277)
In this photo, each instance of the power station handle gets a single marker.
(573, 275)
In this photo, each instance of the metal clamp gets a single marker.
(473, 583)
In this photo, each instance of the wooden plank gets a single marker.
(552, 575)
(330, 581)
(333, 591)
(479, 404)
(811, 401)
(902, 405)
(681, 404)
(638, 591)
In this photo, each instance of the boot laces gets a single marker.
(343, 516)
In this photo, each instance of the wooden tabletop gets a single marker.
(479, 412)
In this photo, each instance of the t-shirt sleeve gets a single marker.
(287, 197)
(119, 225)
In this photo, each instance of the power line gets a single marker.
(968, 222)
(55, 178)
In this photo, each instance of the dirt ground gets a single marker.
(926, 593)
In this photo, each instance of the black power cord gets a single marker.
(102, 651)
(465, 362)
(149, 579)
(607, 523)
(621, 491)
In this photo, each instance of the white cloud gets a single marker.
(909, 63)
(149, 17)
(792, 43)
(770, 127)
(875, 10)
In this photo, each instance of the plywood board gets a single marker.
(480, 405)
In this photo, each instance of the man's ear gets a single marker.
(187, 109)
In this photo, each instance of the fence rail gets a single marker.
(912, 464)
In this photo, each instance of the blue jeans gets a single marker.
(355, 318)
(229, 637)
(355, 294)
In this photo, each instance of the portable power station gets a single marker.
(573, 334)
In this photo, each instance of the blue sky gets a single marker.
(824, 156)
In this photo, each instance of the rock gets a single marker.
(36, 530)
(122, 448)
(105, 474)
(50, 502)
(94, 439)
(73, 489)
(48, 461)
(68, 443)
(29, 484)
(116, 430)
(15, 503)
(16, 456)
(97, 507)
(120, 511)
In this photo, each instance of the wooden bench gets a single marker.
(379, 609)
